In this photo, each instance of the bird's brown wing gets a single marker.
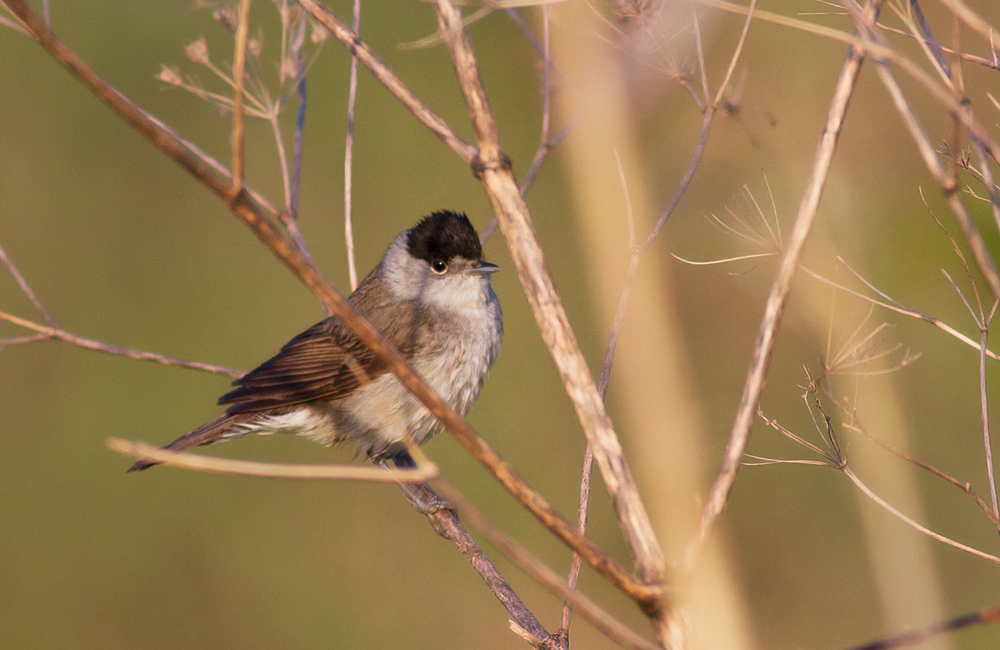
(327, 361)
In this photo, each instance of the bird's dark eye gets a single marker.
(439, 266)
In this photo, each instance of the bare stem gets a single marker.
(387, 77)
(26, 289)
(239, 76)
(600, 618)
(919, 527)
(253, 211)
(298, 41)
(575, 563)
(446, 524)
(62, 335)
(778, 297)
(352, 267)
(985, 416)
(874, 42)
(493, 168)
(201, 463)
(912, 637)
(898, 307)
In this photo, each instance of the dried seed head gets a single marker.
(631, 13)
(198, 51)
(289, 68)
(170, 76)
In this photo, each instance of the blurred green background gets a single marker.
(125, 248)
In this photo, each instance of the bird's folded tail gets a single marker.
(217, 430)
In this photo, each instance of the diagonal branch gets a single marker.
(980, 251)
(255, 212)
(599, 617)
(25, 289)
(370, 60)
(62, 335)
(239, 77)
(778, 297)
(493, 168)
(911, 637)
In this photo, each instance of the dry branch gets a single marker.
(778, 297)
(493, 167)
(875, 43)
(60, 334)
(239, 77)
(911, 637)
(387, 78)
(255, 212)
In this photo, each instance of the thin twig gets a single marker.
(298, 44)
(16, 26)
(67, 337)
(352, 267)
(446, 523)
(602, 388)
(911, 637)
(955, 80)
(913, 524)
(239, 76)
(893, 305)
(286, 175)
(253, 211)
(774, 308)
(706, 124)
(493, 168)
(20, 340)
(26, 290)
(874, 42)
(572, 580)
(544, 144)
(696, 28)
(979, 316)
(201, 463)
(600, 618)
(874, 47)
(366, 56)
(964, 56)
(964, 486)
(833, 457)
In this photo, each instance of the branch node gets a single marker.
(480, 166)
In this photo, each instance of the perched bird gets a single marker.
(430, 296)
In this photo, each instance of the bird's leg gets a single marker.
(403, 460)
(423, 498)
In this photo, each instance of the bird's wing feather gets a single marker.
(327, 361)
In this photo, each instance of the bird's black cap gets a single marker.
(442, 235)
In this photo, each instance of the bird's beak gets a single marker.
(482, 267)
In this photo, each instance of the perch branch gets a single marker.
(201, 463)
(493, 168)
(247, 206)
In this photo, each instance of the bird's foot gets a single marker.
(423, 498)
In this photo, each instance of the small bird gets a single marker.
(430, 296)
